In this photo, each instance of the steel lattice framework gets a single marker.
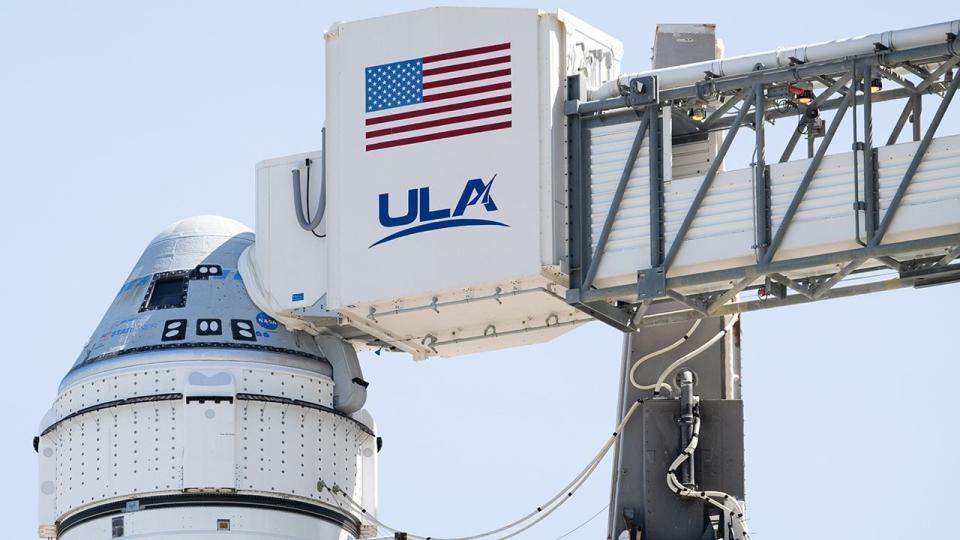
(751, 101)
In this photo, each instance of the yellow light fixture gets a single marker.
(875, 86)
(806, 97)
(697, 114)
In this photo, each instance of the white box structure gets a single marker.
(445, 223)
(446, 189)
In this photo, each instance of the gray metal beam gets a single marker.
(725, 107)
(641, 310)
(761, 188)
(901, 122)
(871, 190)
(836, 278)
(783, 267)
(893, 76)
(916, 114)
(729, 294)
(937, 73)
(757, 305)
(833, 86)
(691, 303)
(798, 287)
(792, 143)
(655, 178)
(952, 254)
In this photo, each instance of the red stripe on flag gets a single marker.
(440, 135)
(439, 122)
(466, 65)
(467, 78)
(436, 110)
(467, 91)
(465, 52)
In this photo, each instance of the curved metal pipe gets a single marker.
(688, 74)
(322, 204)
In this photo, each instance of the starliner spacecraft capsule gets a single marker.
(191, 413)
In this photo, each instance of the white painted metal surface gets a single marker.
(479, 264)
(169, 447)
(189, 406)
(396, 262)
(282, 240)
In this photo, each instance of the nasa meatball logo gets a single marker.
(266, 322)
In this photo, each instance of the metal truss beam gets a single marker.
(701, 294)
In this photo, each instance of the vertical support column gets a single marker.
(870, 187)
(578, 196)
(917, 101)
(654, 135)
(761, 177)
(651, 440)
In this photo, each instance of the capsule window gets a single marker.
(223, 524)
(167, 292)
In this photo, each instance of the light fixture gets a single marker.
(806, 97)
(875, 86)
(697, 114)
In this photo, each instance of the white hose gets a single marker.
(668, 348)
(540, 513)
(679, 361)
(727, 503)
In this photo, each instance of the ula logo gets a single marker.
(421, 218)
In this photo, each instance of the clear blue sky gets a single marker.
(117, 118)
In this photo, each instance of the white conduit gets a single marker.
(689, 74)
(679, 361)
(668, 348)
(725, 502)
(533, 517)
(692, 354)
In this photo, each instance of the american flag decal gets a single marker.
(437, 97)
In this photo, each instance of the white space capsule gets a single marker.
(190, 413)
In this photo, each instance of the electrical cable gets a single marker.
(668, 348)
(536, 516)
(578, 527)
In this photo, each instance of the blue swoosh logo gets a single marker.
(434, 225)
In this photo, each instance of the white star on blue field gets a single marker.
(394, 85)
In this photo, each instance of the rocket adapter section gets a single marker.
(190, 412)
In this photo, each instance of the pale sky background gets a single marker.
(117, 118)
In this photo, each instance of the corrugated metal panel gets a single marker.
(722, 235)
(691, 159)
(825, 220)
(723, 227)
(931, 205)
(628, 248)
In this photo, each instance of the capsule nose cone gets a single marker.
(203, 226)
(186, 292)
